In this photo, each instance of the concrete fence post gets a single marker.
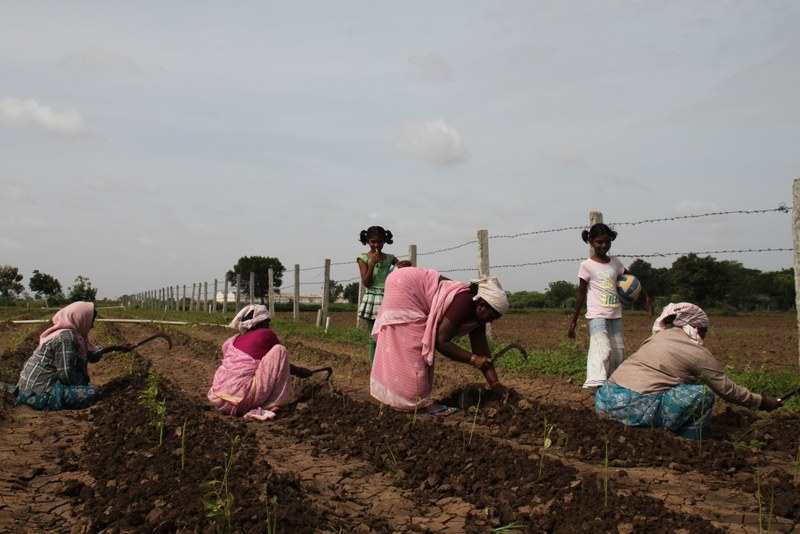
(296, 303)
(796, 246)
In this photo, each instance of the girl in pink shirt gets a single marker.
(597, 288)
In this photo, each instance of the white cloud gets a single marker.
(693, 207)
(627, 182)
(99, 60)
(564, 158)
(431, 68)
(35, 117)
(23, 223)
(434, 142)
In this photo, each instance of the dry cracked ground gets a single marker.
(335, 461)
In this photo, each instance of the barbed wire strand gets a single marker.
(652, 255)
(781, 208)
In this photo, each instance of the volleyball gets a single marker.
(628, 288)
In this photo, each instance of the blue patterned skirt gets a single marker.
(684, 409)
(63, 397)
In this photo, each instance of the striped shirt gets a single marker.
(56, 360)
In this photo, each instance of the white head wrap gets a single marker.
(260, 314)
(490, 290)
(688, 316)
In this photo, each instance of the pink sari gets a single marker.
(246, 386)
(414, 304)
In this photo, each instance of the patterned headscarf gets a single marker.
(77, 317)
(260, 314)
(490, 290)
(687, 316)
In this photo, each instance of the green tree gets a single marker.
(10, 282)
(334, 290)
(259, 265)
(558, 293)
(527, 299)
(351, 292)
(779, 285)
(82, 290)
(44, 285)
(699, 280)
(656, 281)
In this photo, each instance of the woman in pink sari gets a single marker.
(421, 313)
(254, 377)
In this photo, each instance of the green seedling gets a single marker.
(271, 517)
(398, 473)
(156, 409)
(605, 476)
(475, 418)
(515, 526)
(546, 444)
(797, 463)
(218, 499)
(183, 444)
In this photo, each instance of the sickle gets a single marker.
(155, 336)
(792, 393)
(328, 370)
(508, 347)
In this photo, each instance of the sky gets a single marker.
(150, 144)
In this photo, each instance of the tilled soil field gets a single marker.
(335, 461)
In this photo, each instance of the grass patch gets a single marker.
(768, 382)
(568, 360)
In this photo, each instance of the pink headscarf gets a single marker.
(78, 317)
(687, 316)
(260, 314)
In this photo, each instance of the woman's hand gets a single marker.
(500, 390)
(402, 263)
(480, 362)
(769, 403)
(571, 330)
(125, 347)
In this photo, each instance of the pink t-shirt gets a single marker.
(256, 343)
(602, 301)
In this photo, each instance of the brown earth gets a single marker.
(335, 461)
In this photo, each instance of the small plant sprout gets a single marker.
(218, 499)
(475, 418)
(797, 463)
(183, 445)
(515, 526)
(416, 405)
(605, 476)
(546, 443)
(271, 516)
(156, 409)
(398, 473)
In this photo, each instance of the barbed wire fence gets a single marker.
(224, 294)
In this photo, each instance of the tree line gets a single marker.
(706, 281)
(44, 287)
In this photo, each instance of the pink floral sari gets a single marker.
(246, 386)
(414, 303)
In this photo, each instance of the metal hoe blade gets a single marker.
(155, 336)
(507, 348)
(328, 370)
(792, 393)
